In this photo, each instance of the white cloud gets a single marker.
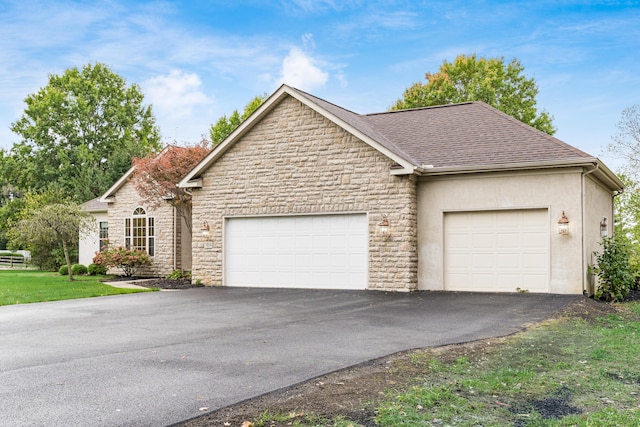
(301, 71)
(178, 92)
(178, 102)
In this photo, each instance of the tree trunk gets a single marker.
(67, 258)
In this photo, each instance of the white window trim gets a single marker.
(149, 230)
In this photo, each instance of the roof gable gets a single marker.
(346, 119)
(468, 136)
(111, 192)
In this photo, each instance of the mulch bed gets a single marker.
(158, 283)
(169, 284)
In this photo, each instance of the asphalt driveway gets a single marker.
(158, 358)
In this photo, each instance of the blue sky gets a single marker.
(198, 60)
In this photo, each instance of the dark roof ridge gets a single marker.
(428, 107)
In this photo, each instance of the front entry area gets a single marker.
(497, 251)
(301, 251)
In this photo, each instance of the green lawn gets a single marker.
(566, 372)
(26, 286)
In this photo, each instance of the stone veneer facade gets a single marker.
(297, 162)
(125, 202)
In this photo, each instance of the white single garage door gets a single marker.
(497, 251)
(311, 251)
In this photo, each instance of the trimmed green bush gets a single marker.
(127, 260)
(64, 270)
(95, 269)
(78, 269)
(179, 274)
(615, 275)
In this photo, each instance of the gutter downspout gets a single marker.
(584, 227)
(175, 261)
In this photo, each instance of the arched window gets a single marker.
(139, 232)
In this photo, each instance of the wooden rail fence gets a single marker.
(12, 261)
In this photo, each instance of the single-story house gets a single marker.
(94, 240)
(158, 230)
(459, 197)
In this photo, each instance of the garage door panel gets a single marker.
(480, 279)
(536, 240)
(508, 281)
(532, 260)
(457, 238)
(497, 250)
(508, 240)
(507, 261)
(481, 240)
(316, 251)
(481, 261)
(458, 260)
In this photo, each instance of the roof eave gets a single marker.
(109, 195)
(592, 163)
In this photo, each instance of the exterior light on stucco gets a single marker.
(563, 225)
(384, 224)
(604, 229)
(205, 229)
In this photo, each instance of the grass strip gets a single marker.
(28, 286)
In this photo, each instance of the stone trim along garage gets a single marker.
(455, 197)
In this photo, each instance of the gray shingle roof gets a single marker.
(467, 134)
(95, 205)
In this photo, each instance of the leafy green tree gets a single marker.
(627, 221)
(80, 132)
(58, 223)
(225, 125)
(11, 204)
(627, 141)
(627, 207)
(49, 255)
(490, 80)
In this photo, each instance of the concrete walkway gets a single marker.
(128, 284)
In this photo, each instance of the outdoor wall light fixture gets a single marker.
(384, 224)
(604, 228)
(563, 225)
(205, 229)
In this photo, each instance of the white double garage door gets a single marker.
(309, 251)
(487, 251)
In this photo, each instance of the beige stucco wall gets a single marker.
(598, 204)
(296, 162)
(90, 239)
(555, 190)
(125, 202)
